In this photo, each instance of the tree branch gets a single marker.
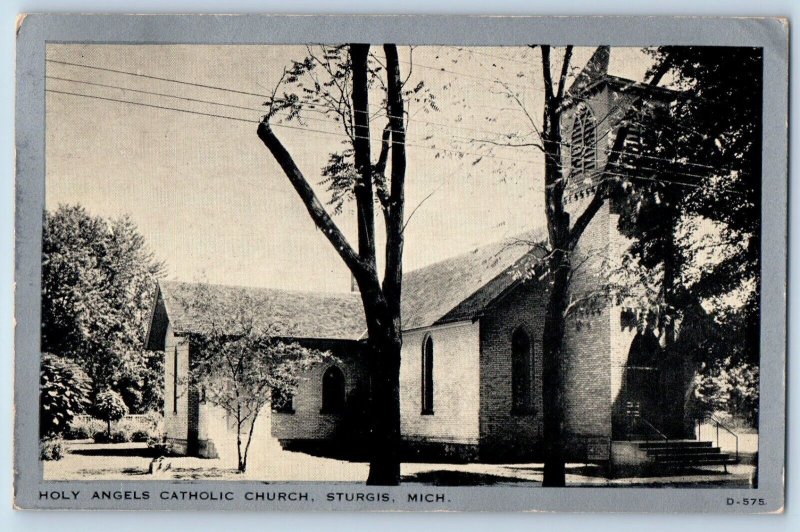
(586, 217)
(363, 190)
(548, 78)
(392, 278)
(318, 213)
(562, 80)
(380, 168)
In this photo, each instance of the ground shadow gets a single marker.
(596, 471)
(212, 473)
(141, 452)
(461, 478)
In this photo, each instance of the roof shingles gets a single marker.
(454, 289)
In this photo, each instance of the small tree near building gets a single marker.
(240, 363)
(109, 407)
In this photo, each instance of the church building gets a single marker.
(470, 377)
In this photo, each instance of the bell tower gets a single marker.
(598, 335)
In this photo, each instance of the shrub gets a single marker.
(63, 393)
(117, 436)
(150, 425)
(51, 449)
(109, 407)
(158, 447)
(140, 436)
(120, 436)
(82, 427)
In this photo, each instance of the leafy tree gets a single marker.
(729, 388)
(693, 210)
(109, 406)
(239, 363)
(703, 166)
(561, 255)
(98, 279)
(64, 390)
(338, 81)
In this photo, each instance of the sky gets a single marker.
(210, 199)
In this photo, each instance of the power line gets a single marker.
(285, 126)
(632, 154)
(210, 102)
(153, 106)
(661, 181)
(105, 85)
(193, 84)
(677, 183)
(237, 91)
(471, 50)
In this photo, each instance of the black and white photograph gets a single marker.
(387, 265)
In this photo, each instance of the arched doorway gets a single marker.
(638, 412)
(333, 393)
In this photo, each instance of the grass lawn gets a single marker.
(84, 460)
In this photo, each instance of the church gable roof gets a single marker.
(454, 289)
(462, 287)
(297, 314)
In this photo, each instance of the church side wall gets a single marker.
(455, 385)
(307, 422)
(506, 435)
(587, 342)
(176, 405)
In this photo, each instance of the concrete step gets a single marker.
(665, 451)
(689, 457)
(674, 444)
(697, 462)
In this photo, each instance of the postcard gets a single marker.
(379, 263)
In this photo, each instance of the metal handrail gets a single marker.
(718, 424)
(661, 434)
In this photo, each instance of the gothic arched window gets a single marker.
(583, 143)
(521, 372)
(332, 391)
(427, 375)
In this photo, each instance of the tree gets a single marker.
(339, 81)
(564, 229)
(98, 278)
(239, 363)
(695, 216)
(64, 390)
(109, 406)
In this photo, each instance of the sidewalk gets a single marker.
(278, 465)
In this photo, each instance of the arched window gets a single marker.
(521, 372)
(332, 391)
(427, 376)
(583, 151)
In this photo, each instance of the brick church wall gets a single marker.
(587, 341)
(504, 434)
(177, 421)
(307, 421)
(596, 343)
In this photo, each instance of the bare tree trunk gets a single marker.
(384, 466)
(385, 463)
(381, 301)
(559, 271)
(247, 443)
(239, 438)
